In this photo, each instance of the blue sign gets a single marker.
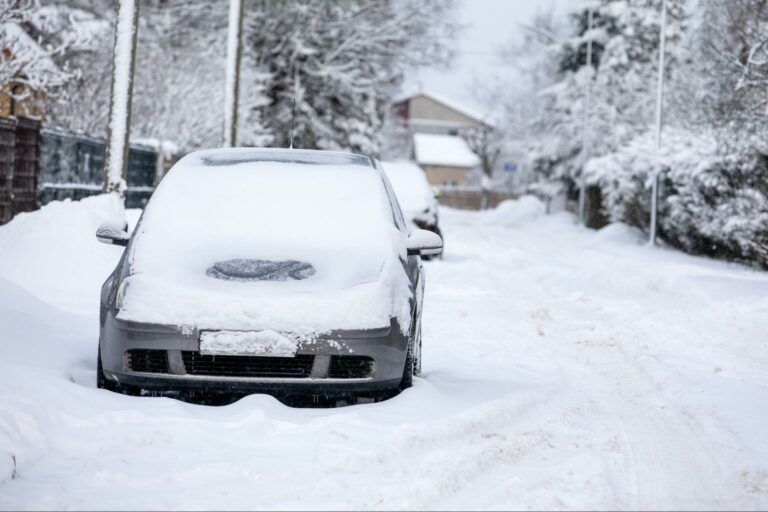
(510, 167)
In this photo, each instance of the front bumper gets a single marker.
(386, 348)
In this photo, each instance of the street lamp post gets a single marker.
(119, 126)
(587, 139)
(234, 53)
(659, 116)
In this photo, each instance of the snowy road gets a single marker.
(564, 369)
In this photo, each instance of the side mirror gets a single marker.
(111, 234)
(424, 243)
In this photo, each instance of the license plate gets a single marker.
(247, 343)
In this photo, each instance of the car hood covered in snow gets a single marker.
(248, 243)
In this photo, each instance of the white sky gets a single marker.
(488, 25)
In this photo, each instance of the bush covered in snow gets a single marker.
(711, 202)
(714, 159)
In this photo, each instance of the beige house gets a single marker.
(434, 124)
(445, 158)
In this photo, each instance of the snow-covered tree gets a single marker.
(180, 72)
(26, 56)
(625, 38)
(83, 102)
(341, 62)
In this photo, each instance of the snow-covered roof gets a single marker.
(448, 102)
(24, 47)
(448, 150)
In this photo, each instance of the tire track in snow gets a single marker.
(669, 466)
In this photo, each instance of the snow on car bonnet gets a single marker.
(298, 241)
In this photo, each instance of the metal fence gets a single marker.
(19, 153)
(72, 167)
(39, 165)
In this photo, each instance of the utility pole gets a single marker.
(587, 138)
(659, 116)
(123, 66)
(234, 54)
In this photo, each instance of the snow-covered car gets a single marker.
(415, 195)
(266, 270)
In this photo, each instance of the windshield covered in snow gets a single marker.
(259, 228)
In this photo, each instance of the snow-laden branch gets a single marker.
(25, 61)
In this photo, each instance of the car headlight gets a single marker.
(120, 295)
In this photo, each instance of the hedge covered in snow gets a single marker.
(711, 202)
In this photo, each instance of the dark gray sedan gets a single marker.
(266, 270)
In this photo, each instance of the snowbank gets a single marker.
(560, 372)
(620, 233)
(53, 252)
(515, 212)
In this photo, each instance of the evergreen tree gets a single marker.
(625, 39)
(341, 62)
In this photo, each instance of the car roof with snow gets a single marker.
(234, 156)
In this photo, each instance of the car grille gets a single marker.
(351, 367)
(299, 367)
(248, 366)
(147, 361)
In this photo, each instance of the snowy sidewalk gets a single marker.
(564, 368)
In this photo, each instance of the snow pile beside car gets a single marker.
(514, 212)
(52, 251)
(254, 245)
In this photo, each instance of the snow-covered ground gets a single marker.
(564, 368)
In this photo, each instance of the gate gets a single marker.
(72, 167)
(38, 166)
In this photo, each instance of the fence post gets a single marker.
(7, 166)
(27, 165)
(159, 164)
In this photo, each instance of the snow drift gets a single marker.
(68, 257)
(516, 212)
